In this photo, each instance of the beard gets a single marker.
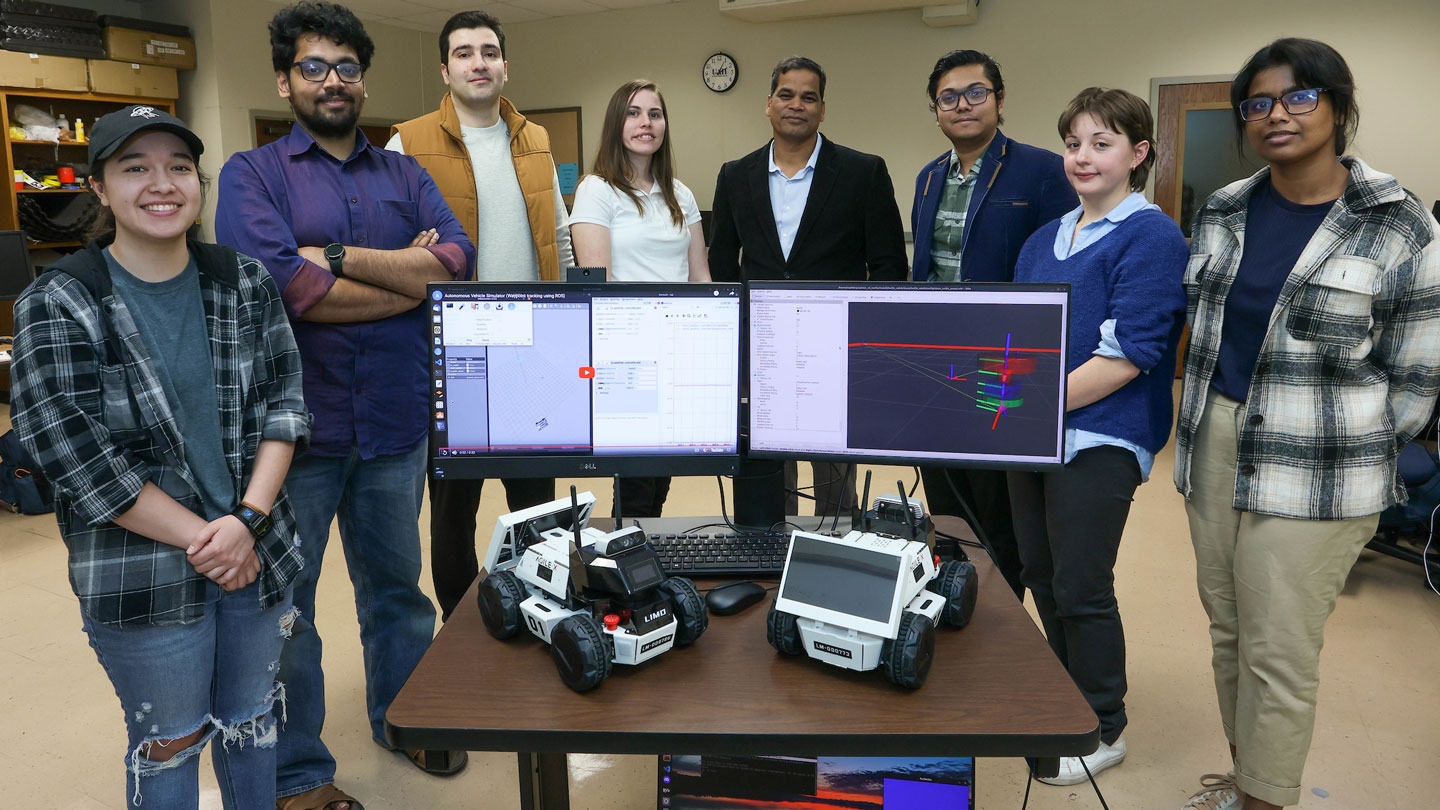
(327, 123)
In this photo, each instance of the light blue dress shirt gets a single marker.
(1077, 440)
(788, 195)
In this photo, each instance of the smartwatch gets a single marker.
(256, 521)
(335, 254)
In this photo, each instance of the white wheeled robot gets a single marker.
(595, 597)
(872, 598)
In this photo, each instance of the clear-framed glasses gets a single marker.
(318, 70)
(975, 96)
(1296, 102)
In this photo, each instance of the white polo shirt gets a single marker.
(645, 245)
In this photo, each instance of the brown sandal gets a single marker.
(320, 798)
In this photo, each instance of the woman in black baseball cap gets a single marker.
(156, 382)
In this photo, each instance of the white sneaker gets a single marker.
(1072, 773)
(1218, 791)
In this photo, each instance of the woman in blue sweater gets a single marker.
(1124, 261)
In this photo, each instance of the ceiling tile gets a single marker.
(559, 8)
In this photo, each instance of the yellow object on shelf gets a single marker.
(17, 133)
(79, 131)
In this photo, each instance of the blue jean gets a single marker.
(378, 506)
(216, 675)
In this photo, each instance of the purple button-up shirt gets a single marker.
(367, 383)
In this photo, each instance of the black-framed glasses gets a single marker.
(1296, 102)
(318, 70)
(976, 96)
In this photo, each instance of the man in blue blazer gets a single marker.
(974, 208)
(803, 207)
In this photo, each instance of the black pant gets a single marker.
(453, 503)
(643, 497)
(834, 487)
(988, 495)
(1068, 523)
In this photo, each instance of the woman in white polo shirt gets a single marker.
(632, 217)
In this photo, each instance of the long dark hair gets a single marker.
(611, 162)
(1315, 65)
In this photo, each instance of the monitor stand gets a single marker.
(759, 489)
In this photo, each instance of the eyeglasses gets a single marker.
(976, 96)
(317, 70)
(1296, 102)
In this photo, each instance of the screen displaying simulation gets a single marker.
(962, 374)
(688, 782)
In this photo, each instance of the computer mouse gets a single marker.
(733, 597)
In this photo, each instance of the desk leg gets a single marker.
(1044, 766)
(544, 781)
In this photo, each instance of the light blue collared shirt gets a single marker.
(1075, 439)
(788, 196)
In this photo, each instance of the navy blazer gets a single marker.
(850, 231)
(1020, 188)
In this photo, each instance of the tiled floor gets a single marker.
(1377, 742)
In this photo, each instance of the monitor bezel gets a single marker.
(1028, 463)
(520, 465)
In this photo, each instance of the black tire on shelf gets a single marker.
(580, 651)
(499, 597)
(960, 585)
(691, 617)
(783, 631)
(906, 659)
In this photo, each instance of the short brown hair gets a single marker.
(1122, 111)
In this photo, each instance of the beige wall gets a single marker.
(1049, 49)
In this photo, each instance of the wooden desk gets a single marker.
(995, 689)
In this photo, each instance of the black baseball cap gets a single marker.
(112, 130)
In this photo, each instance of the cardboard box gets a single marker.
(45, 72)
(133, 79)
(149, 48)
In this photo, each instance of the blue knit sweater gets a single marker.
(1132, 275)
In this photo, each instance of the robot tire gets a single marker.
(581, 652)
(500, 596)
(690, 614)
(958, 583)
(906, 659)
(782, 631)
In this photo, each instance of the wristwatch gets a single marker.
(256, 521)
(335, 254)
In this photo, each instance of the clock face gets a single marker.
(720, 72)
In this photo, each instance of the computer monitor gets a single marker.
(965, 375)
(16, 270)
(688, 782)
(577, 380)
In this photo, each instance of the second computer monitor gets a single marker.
(919, 373)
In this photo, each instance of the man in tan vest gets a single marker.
(495, 169)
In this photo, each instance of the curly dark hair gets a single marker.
(330, 20)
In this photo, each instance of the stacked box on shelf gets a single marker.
(148, 42)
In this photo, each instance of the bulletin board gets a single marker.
(563, 124)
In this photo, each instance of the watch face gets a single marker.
(720, 72)
(334, 251)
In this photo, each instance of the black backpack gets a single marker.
(22, 485)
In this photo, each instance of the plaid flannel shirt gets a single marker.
(1350, 366)
(89, 408)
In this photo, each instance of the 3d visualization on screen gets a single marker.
(964, 374)
(719, 782)
(584, 379)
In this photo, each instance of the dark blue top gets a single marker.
(170, 317)
(365, 382)
(1134, 276)
(1020, 188)
(1276, 233)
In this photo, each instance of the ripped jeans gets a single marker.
(215, 676)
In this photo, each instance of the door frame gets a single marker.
(1170, 129)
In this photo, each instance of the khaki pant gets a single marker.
(1268, 585)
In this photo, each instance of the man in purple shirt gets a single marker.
(351, 234)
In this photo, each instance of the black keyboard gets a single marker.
(720, 553)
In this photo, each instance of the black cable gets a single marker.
(1091, 777)
(969, 515)
(916, 484)
(961, 541)
(1029, 780)
(719, 482)
(840, 501)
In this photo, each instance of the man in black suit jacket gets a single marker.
(803, 207)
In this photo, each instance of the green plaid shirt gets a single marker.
(950, 219)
